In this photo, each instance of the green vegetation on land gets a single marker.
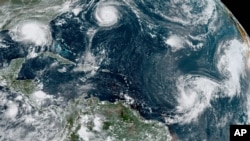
(8, 78)
(118, 121)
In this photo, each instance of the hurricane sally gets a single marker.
(181, 64)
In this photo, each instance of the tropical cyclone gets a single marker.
(106, 14)
(32, 32)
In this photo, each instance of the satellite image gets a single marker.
(122, 70)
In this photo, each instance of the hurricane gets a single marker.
(106, 15)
